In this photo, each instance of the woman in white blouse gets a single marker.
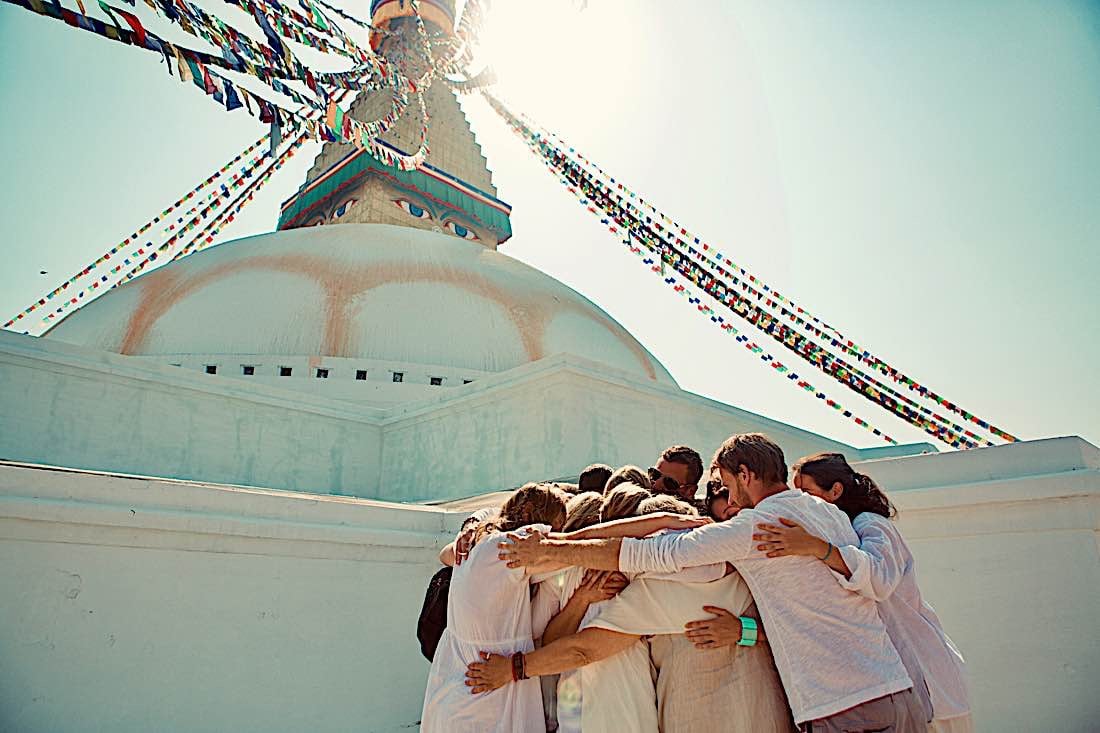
(882, 568)
(489, 606)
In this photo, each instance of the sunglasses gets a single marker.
(662, 482)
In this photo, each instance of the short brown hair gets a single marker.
(685, 457)
(594, 478)
(756, 452)
(628, 475)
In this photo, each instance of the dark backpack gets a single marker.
(433, 616)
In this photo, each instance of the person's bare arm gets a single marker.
(565, 654)
(636, 527)
(535, 551)
(596, 586)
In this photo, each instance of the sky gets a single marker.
(923, 176)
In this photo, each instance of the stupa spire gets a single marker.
(452, 193)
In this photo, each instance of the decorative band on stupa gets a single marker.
(313, 203)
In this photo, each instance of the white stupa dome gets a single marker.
(361, 291)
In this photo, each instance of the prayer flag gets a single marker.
(232, 102)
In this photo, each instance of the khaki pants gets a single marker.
(897, 713)
(717, 690)
(961, 724)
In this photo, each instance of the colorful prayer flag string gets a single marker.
(594, 193)
(118, 252)
(765, 296)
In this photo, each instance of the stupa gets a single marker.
(383, 293)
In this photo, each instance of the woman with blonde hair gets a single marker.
(581, 511)
(579, 599)
(616, 693)
(881, 568)
(628, 475)
(490, 607)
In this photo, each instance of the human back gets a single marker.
(616, 693)
(489, 609)
(791, 588)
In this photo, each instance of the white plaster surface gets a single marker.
(136, 604)
(71, 406)
(406, 295)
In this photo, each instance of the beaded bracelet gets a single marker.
(519, 668)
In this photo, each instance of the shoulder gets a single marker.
(787, 502)
(524, 531)
(870, 519)
(869, 524)
(502, 536)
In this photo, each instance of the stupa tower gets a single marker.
(381, 286)
(452, 194)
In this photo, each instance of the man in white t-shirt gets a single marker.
(838, 667)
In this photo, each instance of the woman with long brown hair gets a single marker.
(881, 568)
(490, 606)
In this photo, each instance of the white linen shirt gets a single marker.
(830, 646)
(883, 570)
(488, 609)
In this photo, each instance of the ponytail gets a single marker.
(860, 492)
(870, 498)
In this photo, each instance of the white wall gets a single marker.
(542, 424)
(134, 605)
(139, 605)
(69, 406)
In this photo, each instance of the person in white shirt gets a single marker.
(838, 667)
(489, 606)
(694, 687)
(880, 567)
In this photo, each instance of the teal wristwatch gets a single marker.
(748, 631)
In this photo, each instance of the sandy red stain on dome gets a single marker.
(341, 285)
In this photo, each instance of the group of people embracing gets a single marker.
(637, 607)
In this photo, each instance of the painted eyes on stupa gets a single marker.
(412, 209)
(460, 231)
(344, 208)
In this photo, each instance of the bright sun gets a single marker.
(539, 50)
